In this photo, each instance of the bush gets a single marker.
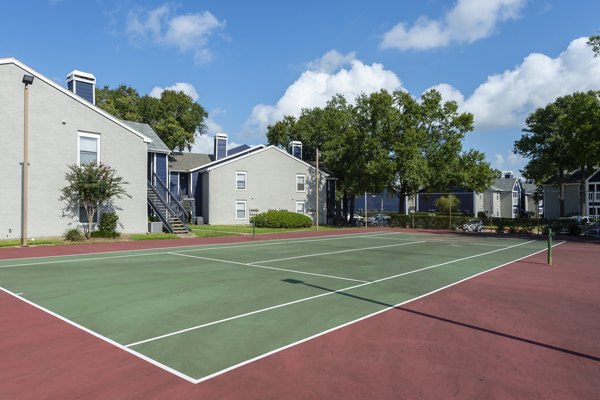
(105, 234)
(108, 222)
(74, 235)
(281, 219)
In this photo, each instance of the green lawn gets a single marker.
(246, 229)
(31, 242)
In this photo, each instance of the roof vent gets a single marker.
(220, 146)
(82, 84)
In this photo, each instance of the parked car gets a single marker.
(473, 225)
(379, 219)
(357, 218)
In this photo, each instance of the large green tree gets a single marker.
(561, 137)
(175, 116)
(388, 140)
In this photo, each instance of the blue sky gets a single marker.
(248, 63)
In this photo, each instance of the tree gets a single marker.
(563, 136)
(427, 150)
(594, 43)
(447, 203)
(175, 117)
(91, 186)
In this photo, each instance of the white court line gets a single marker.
(207, 377)
(265, 267)
(335, 328)
(461, 242)
(337, 252)
(193, 328)
(187, 249)
(101, 337)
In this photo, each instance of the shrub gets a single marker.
(74, 235)
(105, 234)
(281, 219)
(108, 222)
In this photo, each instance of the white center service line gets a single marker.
(318, 296)
(264, 267)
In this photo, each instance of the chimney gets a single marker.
(82, 84)
(220, 146)
(295, 149)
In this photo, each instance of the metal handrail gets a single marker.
(164, 218)
(178, 210)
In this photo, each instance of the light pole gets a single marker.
(27, 80)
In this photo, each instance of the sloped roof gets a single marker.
(569, 177)
(530, 188)
(238, 149)
(251, 152)
(185, 162)
(503, 184)
(31, 71)
(157, 145)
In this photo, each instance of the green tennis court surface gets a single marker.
(197, 311)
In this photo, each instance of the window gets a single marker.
(300, 179)
(240, 180)
(300, 207)
(89, 148)
(83, 218)
(240, 209)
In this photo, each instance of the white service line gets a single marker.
(335, 328)
(337, 252)
(193, 328)
(265, 267)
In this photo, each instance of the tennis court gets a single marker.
(198, 311)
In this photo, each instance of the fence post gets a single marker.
(549, 246)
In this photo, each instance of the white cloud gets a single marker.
(449, 93)
(506, 99)
(205, 144)
(468, 21)
(333, 74)
(184, 87)
(187, 32)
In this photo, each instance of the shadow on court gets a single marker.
(449, 321)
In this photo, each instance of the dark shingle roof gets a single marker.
(185, 162)
(157, 144)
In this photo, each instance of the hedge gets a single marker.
(281, 219)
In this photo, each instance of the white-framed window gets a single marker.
(83, 218)
(88, 148)
(240, 180)
(240, 209)
(300, 183)
(300, 207)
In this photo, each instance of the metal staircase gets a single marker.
(166, 206)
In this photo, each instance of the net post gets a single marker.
(549, 246)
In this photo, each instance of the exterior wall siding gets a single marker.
(270, 184)
(54, 122)
(161, 167)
